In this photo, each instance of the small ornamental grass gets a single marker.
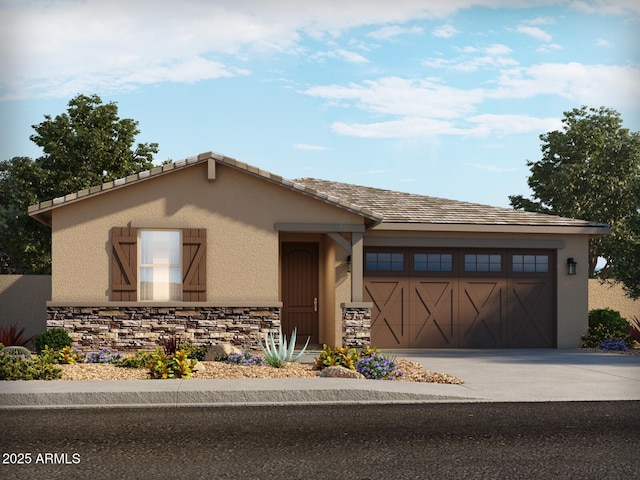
(246, 359)
(376, 366)
(612, 345)
(103, 356)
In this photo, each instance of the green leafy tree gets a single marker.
(88, 145)
(591, 170)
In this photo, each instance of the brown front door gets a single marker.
(300, 291)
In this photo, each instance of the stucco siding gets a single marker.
(238, 210)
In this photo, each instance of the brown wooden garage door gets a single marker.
(461, 298)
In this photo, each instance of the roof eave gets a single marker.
(564, 229)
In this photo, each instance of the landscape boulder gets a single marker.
(340, 372)
(217, 351)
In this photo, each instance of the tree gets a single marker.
(591, 170)
(86, 146)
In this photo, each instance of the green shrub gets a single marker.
(606, 324)
(66, 355)
(342, 356)
(197, 353)
(138, 360)
(16, 367)
(56, 338)
(178, 365)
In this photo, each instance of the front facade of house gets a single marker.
(217, 251)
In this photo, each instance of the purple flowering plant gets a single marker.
(377, 366)
(246, 359)
(104, 355)
(613, 345)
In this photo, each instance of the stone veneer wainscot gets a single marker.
(136, 327)
(356, 324)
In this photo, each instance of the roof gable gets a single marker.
(43, 211)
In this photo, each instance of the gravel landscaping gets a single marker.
(413, 372)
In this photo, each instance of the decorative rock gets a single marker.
(198, 367)
(340, 372)
(220, 350)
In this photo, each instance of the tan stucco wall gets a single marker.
(611, 295)
(23, 301)
(572, 297)
(573, 292)
(238, 210)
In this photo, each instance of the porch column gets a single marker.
(357, 266)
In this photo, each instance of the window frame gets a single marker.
(169, 266)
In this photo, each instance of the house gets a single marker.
(214, 250)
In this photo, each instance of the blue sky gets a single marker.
(438, 98)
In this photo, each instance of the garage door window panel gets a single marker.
(530, 263)
(483, 263)
(385, 263)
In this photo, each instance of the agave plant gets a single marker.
(277, 355)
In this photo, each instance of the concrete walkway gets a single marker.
(489, 375)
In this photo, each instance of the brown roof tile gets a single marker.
(398, 207)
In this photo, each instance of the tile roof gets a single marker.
(398, 207)
(375, 204)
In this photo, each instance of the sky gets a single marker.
(440, 98)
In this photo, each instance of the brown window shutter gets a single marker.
(194, 264)
(124, 264)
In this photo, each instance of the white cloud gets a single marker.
(415, 108)
(601, 42)
(612, 85)
(491, 168)
(306, 146)
(58, 48)
(341, 54)
(400, 96)
(541, 21)
(391, 31)
(534, 32)
(445, 31)
(62, 47)
(548, 47)
(501, 125)
(495, 55)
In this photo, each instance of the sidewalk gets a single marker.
(489, 375)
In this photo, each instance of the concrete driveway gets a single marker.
(537, 374)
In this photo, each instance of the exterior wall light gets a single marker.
(571, 266)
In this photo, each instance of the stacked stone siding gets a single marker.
(356, 326)
(141, 327)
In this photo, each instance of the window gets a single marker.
(160, 273)
(530, 263)
(384, 262)
(158, 254)
(482, 263)
(433, 262)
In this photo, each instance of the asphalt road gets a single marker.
(571, 440)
